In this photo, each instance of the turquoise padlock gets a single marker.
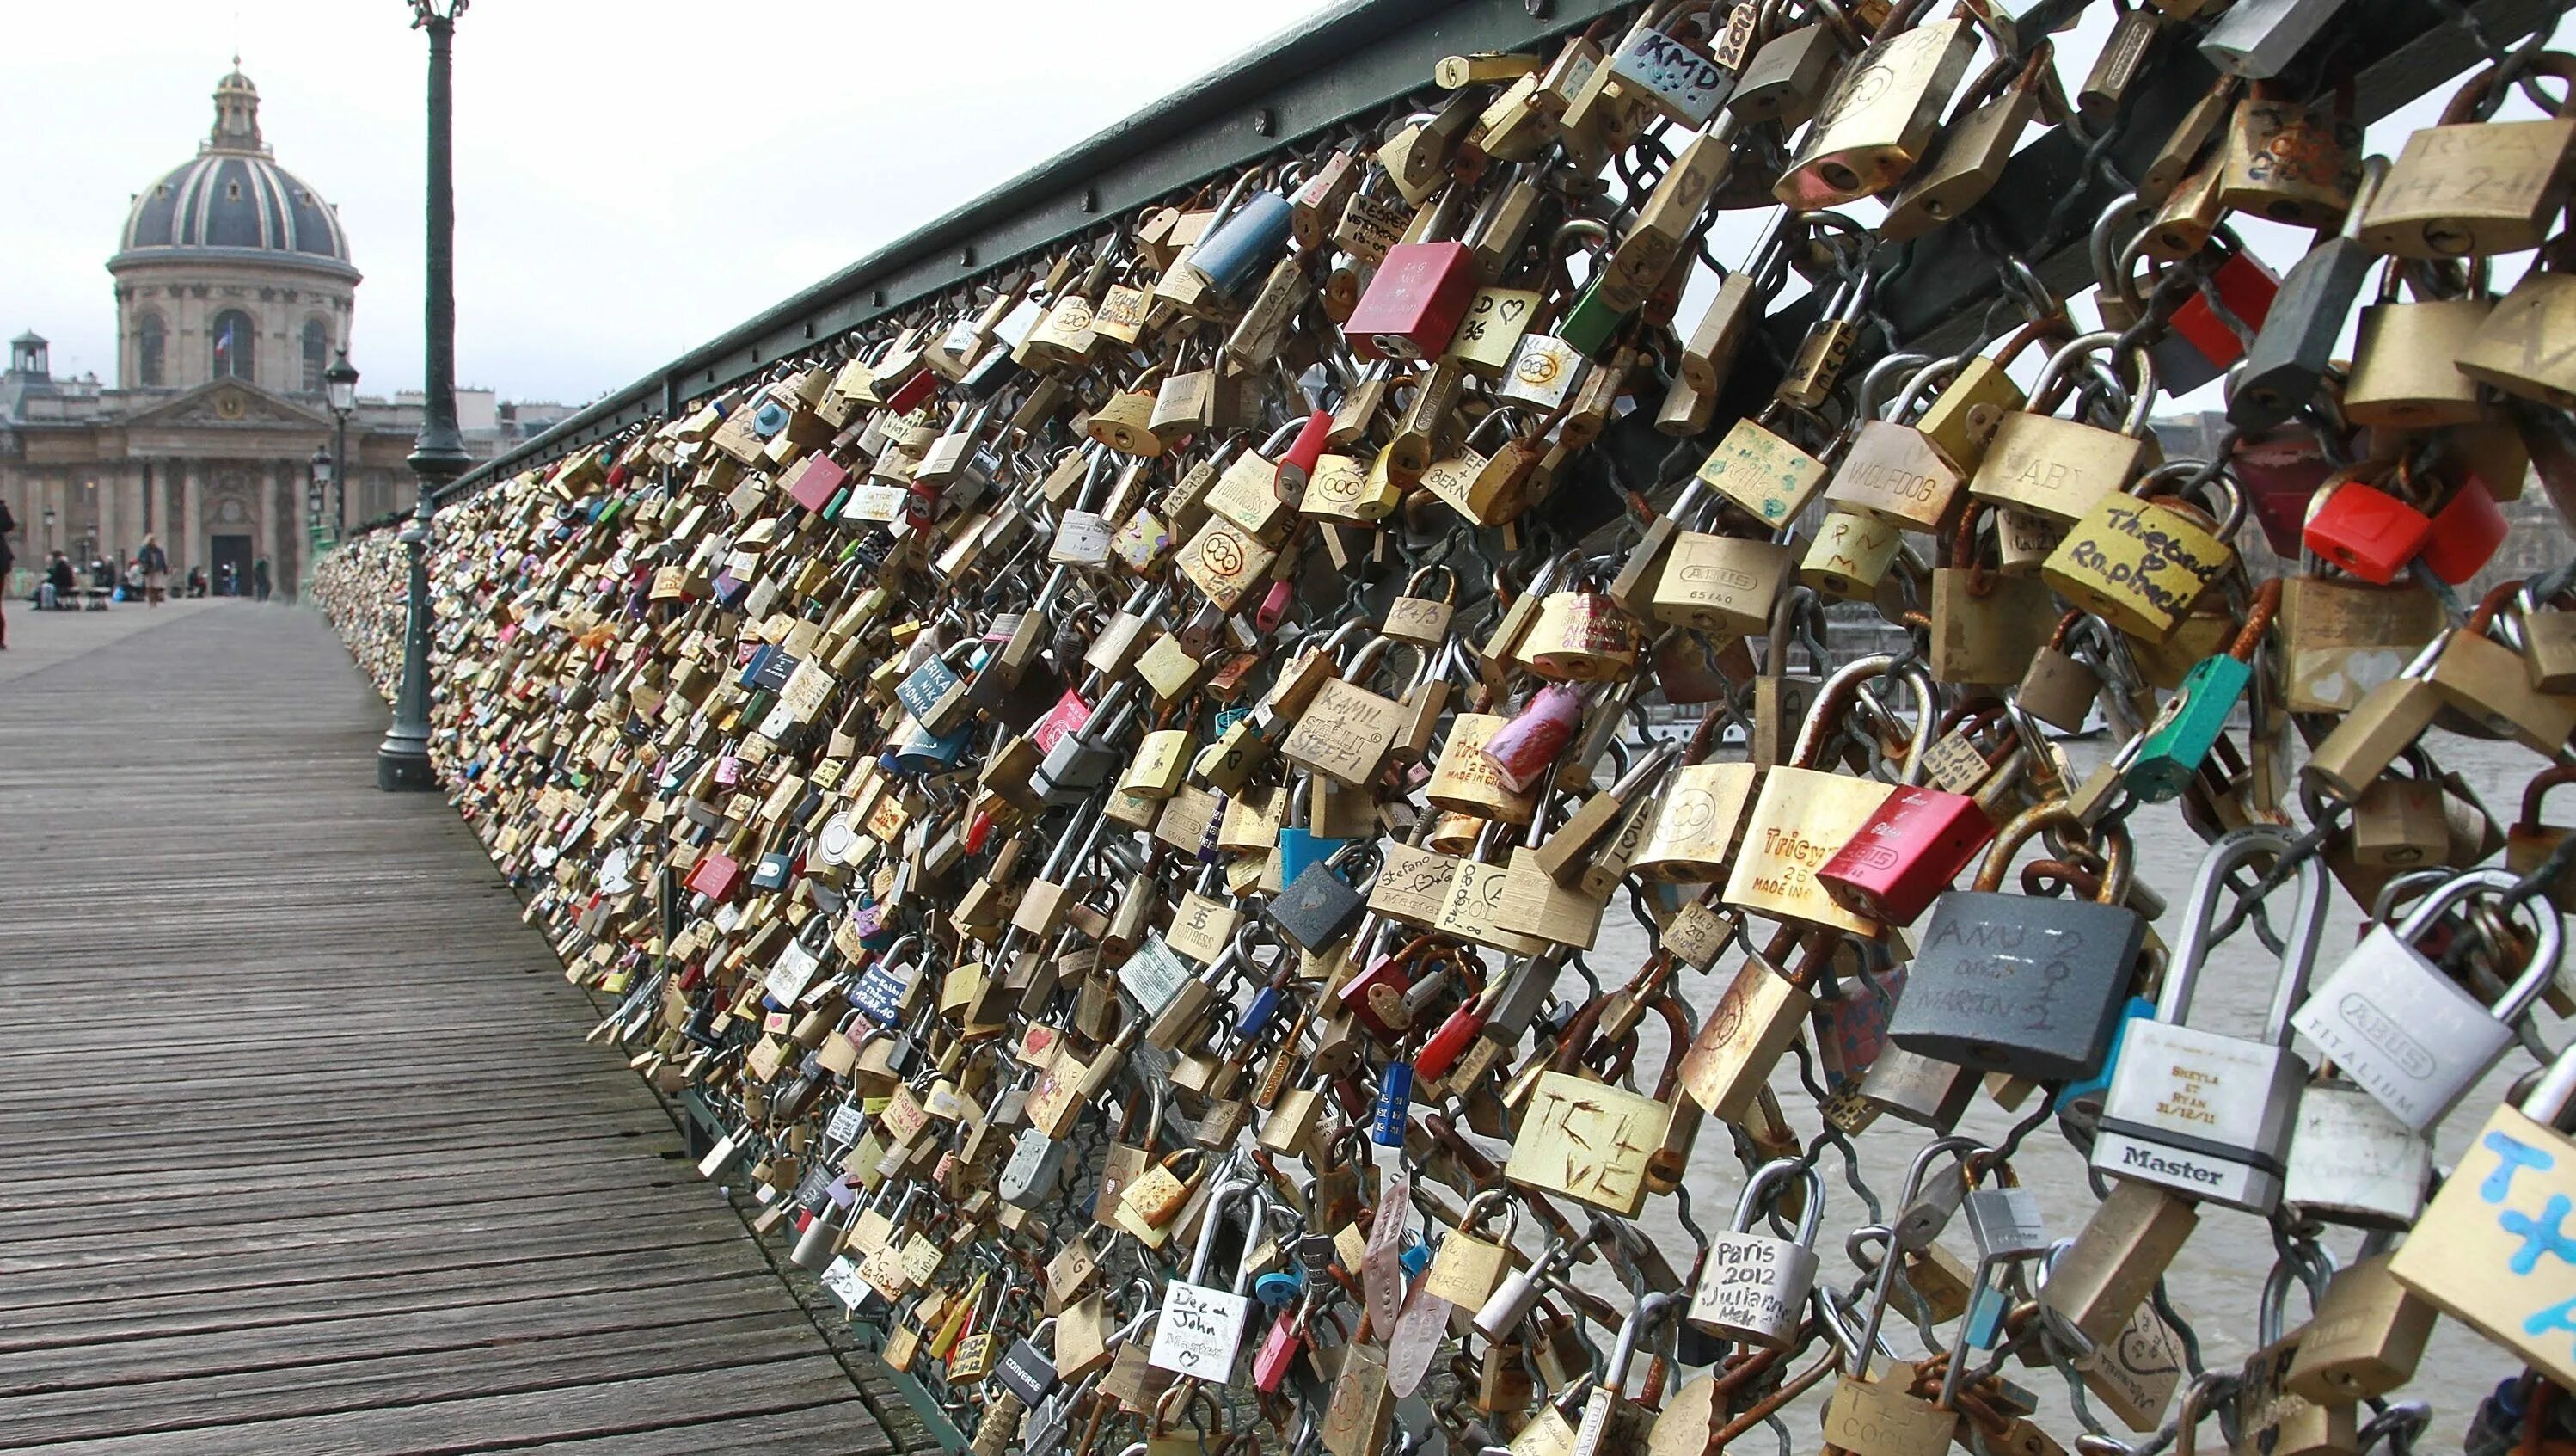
(1298, 848)
(2100, 1082)
(2170, 751)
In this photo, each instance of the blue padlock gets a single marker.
(1279, 1288)
(1299, 848)
(1394, 1105)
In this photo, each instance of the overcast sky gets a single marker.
(632, 177)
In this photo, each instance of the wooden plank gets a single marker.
(336, 1338)
(410, 1291)
(823, 1430)
(180, 1402)
(307, 1150)
(456, 1427)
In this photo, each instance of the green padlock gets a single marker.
(2170, 751)
(1590, 324)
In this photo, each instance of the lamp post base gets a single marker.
(402, 763)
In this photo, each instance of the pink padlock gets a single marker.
(1278, 1351)
(1522, 749)
(1274, 606)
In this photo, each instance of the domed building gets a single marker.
(235, 293)
(231, 268)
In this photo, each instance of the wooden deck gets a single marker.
(303, 1150)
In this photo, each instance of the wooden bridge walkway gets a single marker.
(302, 1149)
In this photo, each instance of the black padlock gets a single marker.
(1316, 909)
(2023, 984)
(2290, 352)
(1027, 1371)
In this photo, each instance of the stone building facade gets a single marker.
(234, 292)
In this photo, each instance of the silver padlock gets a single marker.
(1081, 760)
(1925, 1091)
(1753, 1287)
(1517, 1295)
(2204, 1114)
(1201, 1328)
(2399, 1027)
(2256, 38)
(1036, 1163)
(2353, 1162)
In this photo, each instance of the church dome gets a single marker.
(233, 198)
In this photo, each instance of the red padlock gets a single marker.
(1274, 606)
(2279, 470)
(1906, 852)
(1414, 304)
(2247, 287)
(1298, 465)
(2465, 533)
(1522, 749)
(2367, 532)
(715, 876)
(1375, 997)
(1278, 1351)
(909, 395)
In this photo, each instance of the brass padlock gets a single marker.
(2468, 186)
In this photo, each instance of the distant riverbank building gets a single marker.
(234, 293)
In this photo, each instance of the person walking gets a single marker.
(156, 569)
(259, 578)
(8, 560)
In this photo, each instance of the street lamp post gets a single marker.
(340, 387)
(438, 452)
(49, 530)
(319, 477)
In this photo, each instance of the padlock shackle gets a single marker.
(2209, 890)
(1757, 1189)
(2526, 988)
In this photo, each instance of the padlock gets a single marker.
(1752, 1286)
(2100, 1282)
(2059, 689)
(2529, 843)
(2170, 752)
(1906, 852)
(1878, 120)
(1969, 159)
(2352, 1162)
(1201, 1328)
(2516, 346)
(2208, 1115)
(2399, 1026)
(2365, 1339)
(2405, 373)
(2486, 689)
(2468, 186)
(1970, 999)
(2142, 565)
(2486, 1250)
(2297, 338)
(2291, 162)
(2060, 468)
